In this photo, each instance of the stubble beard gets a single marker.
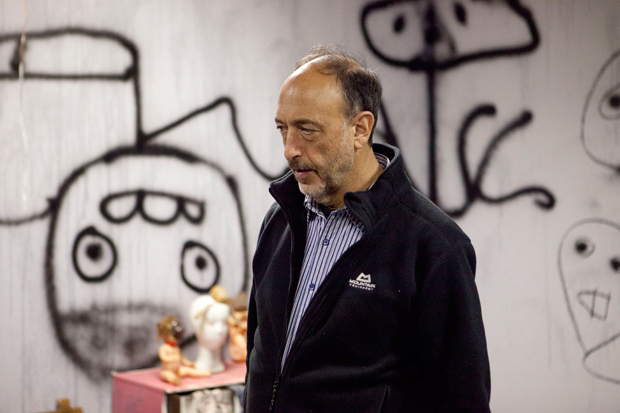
(332, 177)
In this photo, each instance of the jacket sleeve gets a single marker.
(450, 340)
(252, 314)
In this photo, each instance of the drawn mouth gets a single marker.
(595, 303)
(113, 338)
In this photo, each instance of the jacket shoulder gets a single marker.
(422, 212)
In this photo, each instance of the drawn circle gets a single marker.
(94, 255)
(200, 269)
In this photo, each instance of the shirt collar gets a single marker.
(383, 160)
(311, 205)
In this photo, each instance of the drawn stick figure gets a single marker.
(419, 39)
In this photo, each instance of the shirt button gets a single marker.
(326, 242)
(311, 287)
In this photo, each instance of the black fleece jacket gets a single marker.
(410, 340)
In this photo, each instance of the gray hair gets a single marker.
(361, 87)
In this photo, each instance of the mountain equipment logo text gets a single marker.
(363, 282)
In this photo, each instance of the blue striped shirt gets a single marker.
(327, 239)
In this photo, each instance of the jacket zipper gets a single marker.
(282, 368)
(276, 384)
(300, 333)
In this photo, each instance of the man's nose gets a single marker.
(292, 148)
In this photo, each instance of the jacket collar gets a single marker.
(368, 206)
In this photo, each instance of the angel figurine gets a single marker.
(174, 365)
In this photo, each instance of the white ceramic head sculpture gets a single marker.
(209, 320)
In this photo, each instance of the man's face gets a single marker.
(317, 136)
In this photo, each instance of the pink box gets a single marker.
(142, 391)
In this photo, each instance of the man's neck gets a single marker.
(325, 209)
(364, 173)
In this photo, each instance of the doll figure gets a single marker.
(238, 328)
(173, 364)
(209, 318)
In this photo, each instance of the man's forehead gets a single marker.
(311, 87)
(310, 76)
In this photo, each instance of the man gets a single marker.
(363, 297)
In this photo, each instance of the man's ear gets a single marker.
(363, 123)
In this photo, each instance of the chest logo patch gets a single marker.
(363, 281)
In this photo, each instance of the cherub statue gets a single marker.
(173, 364)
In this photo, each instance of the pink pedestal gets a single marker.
(142, 391)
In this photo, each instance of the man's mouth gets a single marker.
(300, 170)
(302, 173)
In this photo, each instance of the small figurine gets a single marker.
(209, 318)
(64, 406)
(238, 328)
(173, 364)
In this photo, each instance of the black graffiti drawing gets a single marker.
(183, 207)
(196, 259)
(589, 266)
(94, 255)
(600, 123)
(104, 242)
(112, 336)
(432, 49)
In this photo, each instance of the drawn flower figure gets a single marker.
(432, 37)
(601, 116)
(589, 263)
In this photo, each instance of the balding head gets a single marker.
(360, 87)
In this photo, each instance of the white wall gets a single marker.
(540, 310)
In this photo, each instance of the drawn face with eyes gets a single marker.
(421, 33)
(133, 240)
(590, 269)
(601, 117)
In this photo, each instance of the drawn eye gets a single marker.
(94, 255)
(615, 264)
(399, 23)
(199, 267)
(460, 13)
(394, 30)
(584, 247)
(610, 104)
